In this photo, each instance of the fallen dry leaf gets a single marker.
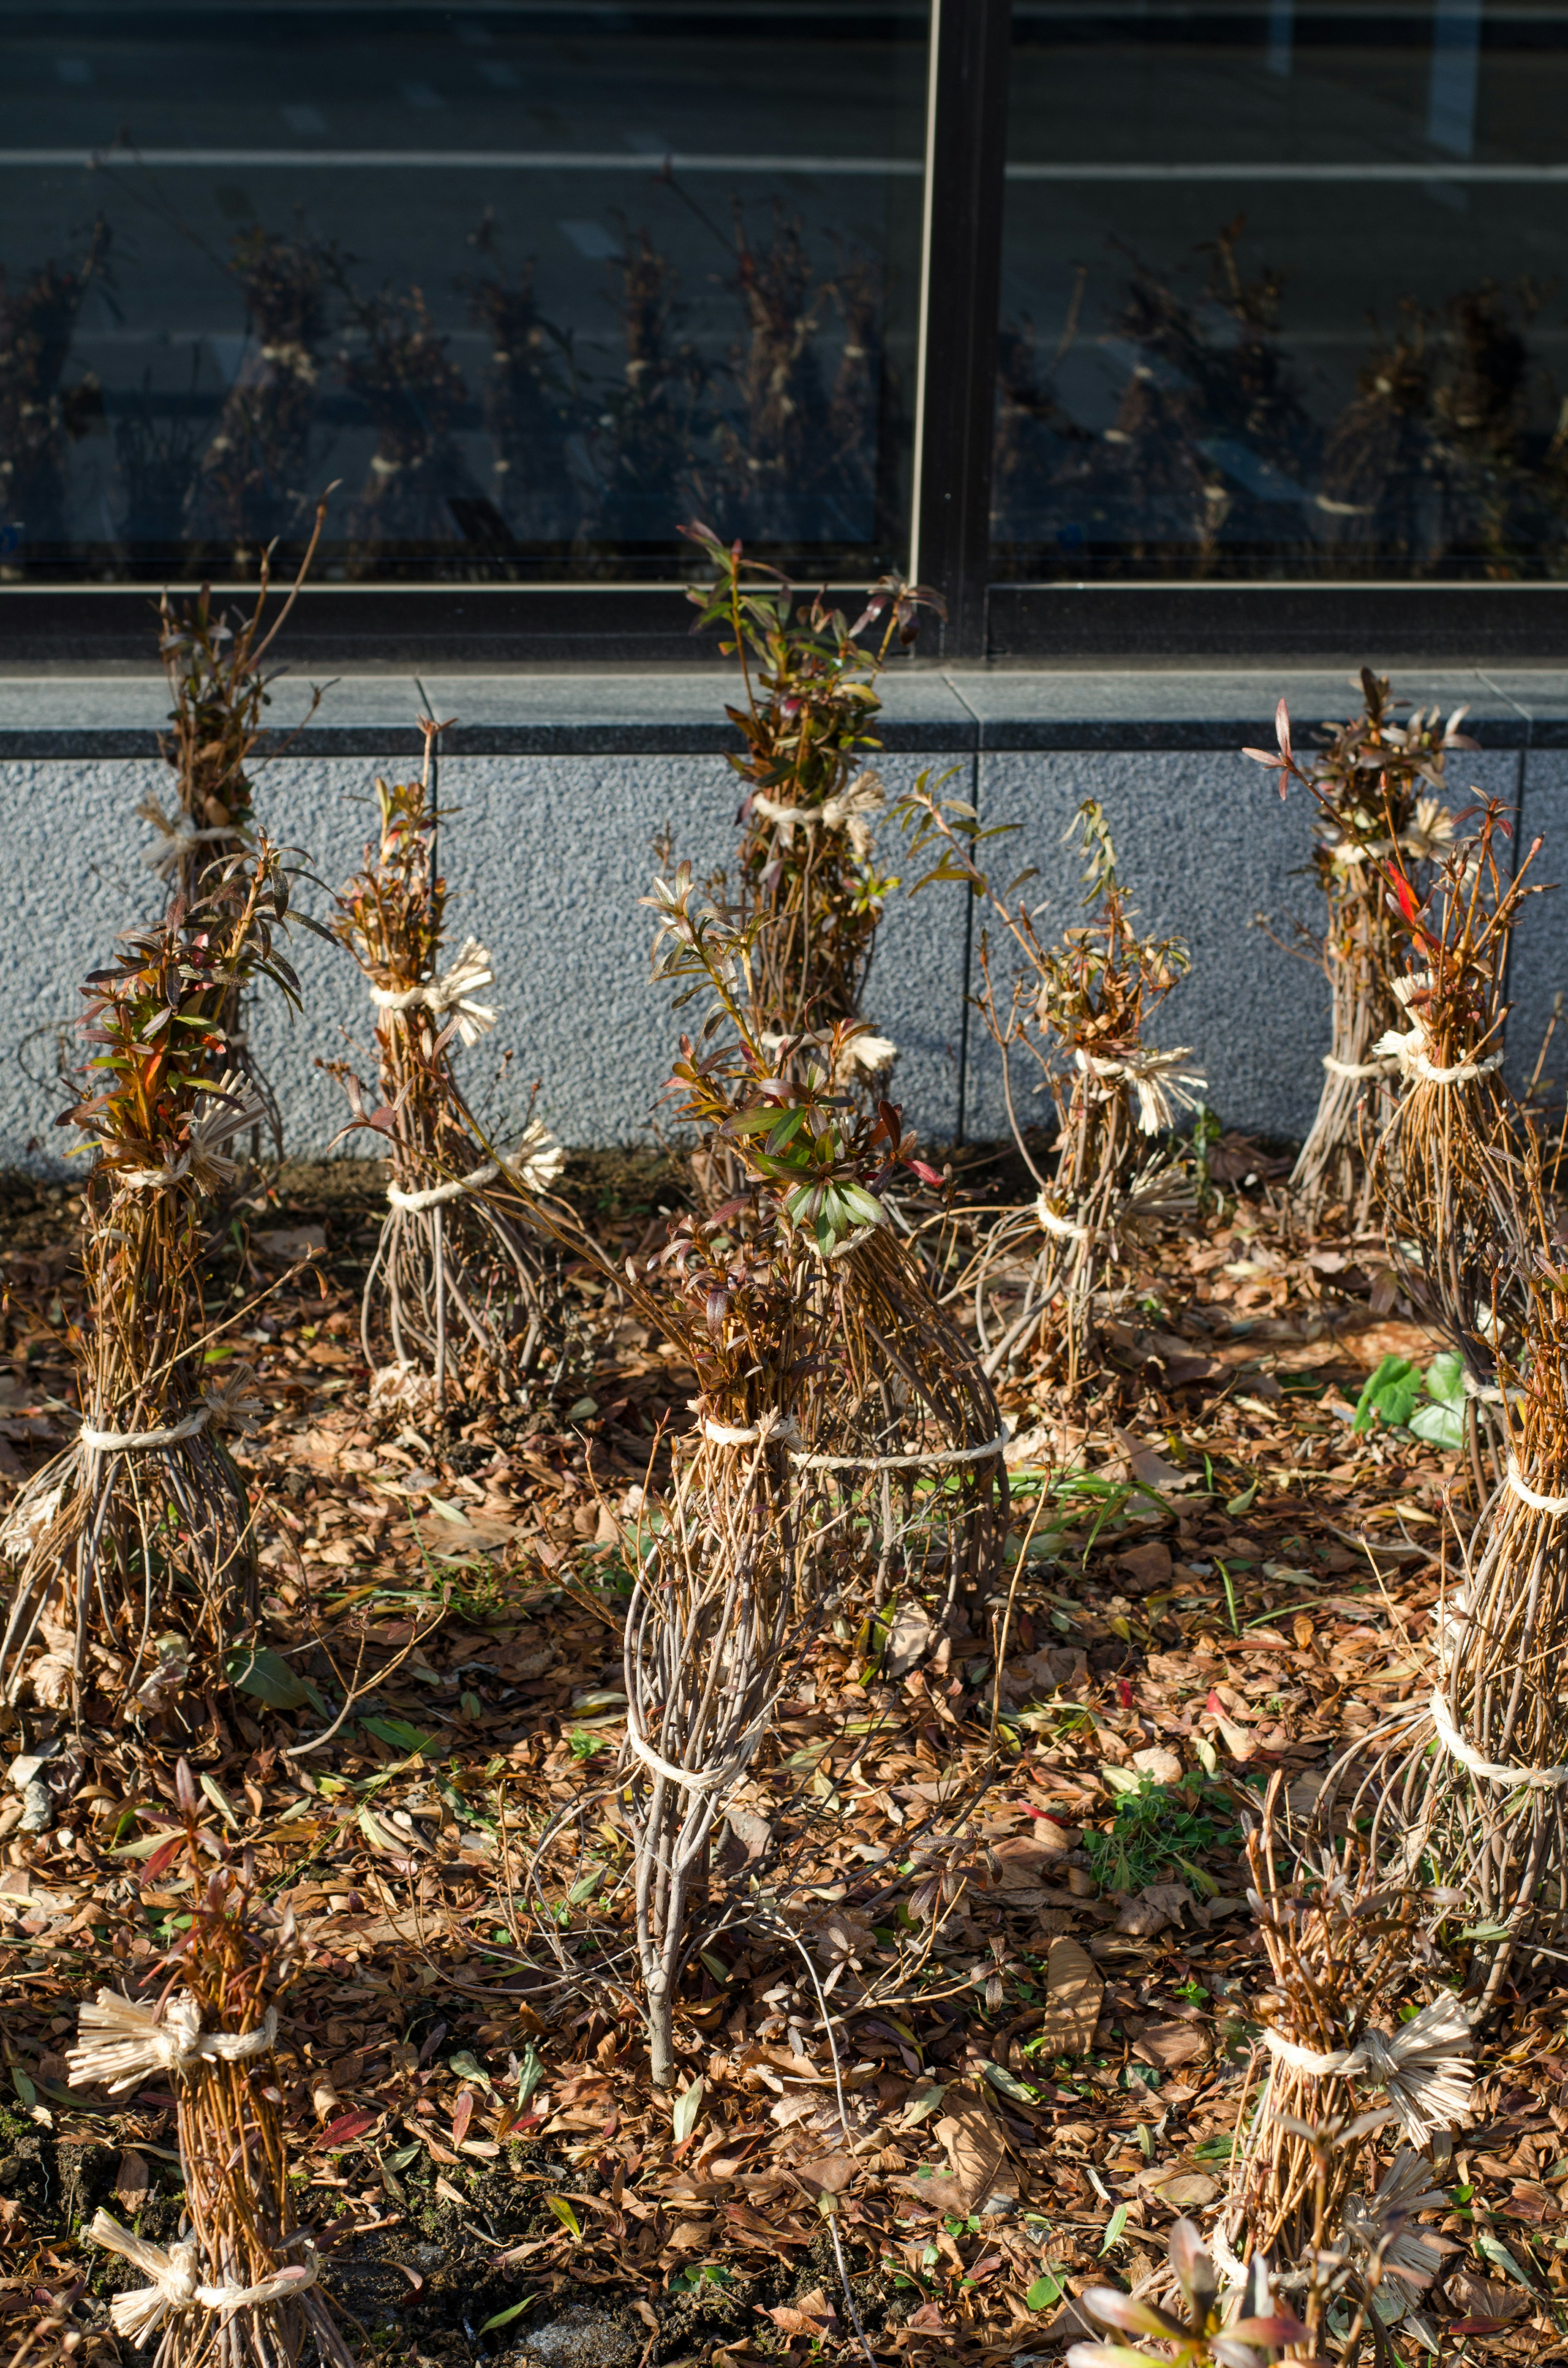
(1073, 1993)
(976, 2148)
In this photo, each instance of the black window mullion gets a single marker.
(962, 260)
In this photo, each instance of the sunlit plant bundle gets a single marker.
(240, 2287)
(461, 1294)
(1346, 1944)
(135, 1544)
(806, 860)
(1469, 1783)
(214, 664)
(1077, 1011)
(845, 1440)
(1379, 785)
(1456, 1172)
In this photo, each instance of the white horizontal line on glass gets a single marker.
(447, 160)
(1272, 170)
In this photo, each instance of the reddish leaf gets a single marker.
(162, 1860)
(463, 2113)
(346, 2129)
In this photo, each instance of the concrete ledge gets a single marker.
(561, 783)
(935, 710)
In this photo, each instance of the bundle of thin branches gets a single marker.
(461, 1296)
(1379, 785)
(219, 690)
(240, 2288)
(1079, 1012)
(904, 1395)
(841, 1426)
(806, 858)
(1457, 1171)
(1342, 1947)
(1470, 1785)
(136, 1546)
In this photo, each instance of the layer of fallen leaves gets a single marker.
(1017, 1889)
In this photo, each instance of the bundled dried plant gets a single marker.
(845, 1438)
(399, 365)
(1078, 1011)
(1379, 785)
(461, 1296)
(1456, 1173)
(1469, 1783)
(240, 2288)
(135, 1544)
(1344, 1947)
(806, 859)
(214, 664)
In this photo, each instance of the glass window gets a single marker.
(1284, 292)
(534, 282)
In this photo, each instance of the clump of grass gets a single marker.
(1155, 1828)
(461, 1296)
(137, 1554)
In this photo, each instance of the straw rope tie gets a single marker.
(1356, 1068)
(781, 1427)
(1461, 1074)
(435, 1194)
(1542, 1779)
(175, 2285)
(453, 990)
(690, 1779)
(1424, 2068)
(110, 1442)
(120, 2042)
(1062, 1227)
(1527, 1496)
(1154, 1078)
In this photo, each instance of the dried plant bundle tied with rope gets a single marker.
(845, 1440)
(135, 1545)
(806, 861)
(1342, 1945)
(1078, 1011)
(218, 690)
(240, 2287)
(1380, 786)
(461, 1293)
(1456, 1172)
(1469, 1784)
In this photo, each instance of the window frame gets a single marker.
(493, 625)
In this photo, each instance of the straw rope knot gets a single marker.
(1543, 1779)
(1154, 1077)
(533, 1167)
(120, 2042)
(115, 1442)
(1062, 1227)
(769, 1429)
(1412, 1047)
(174, 2284)
(1527, 1496)
(454, 991)
(177, 839)
(1426, 2068)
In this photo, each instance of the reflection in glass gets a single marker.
(1283, 292)
(536, 284)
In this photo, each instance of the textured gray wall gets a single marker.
(549, 855)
